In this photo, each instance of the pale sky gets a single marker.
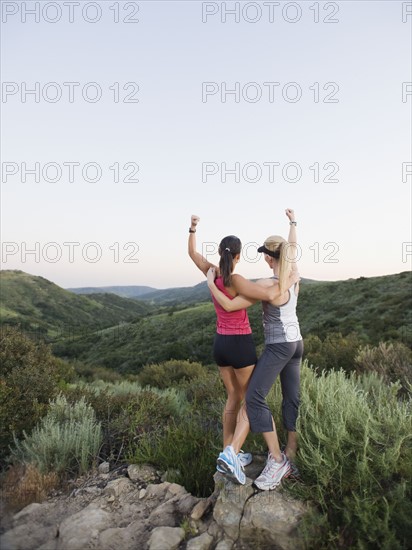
(310, 100)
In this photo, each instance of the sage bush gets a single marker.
(66, 441)
(355, 459)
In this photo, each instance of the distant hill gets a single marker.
(123, 291)
(376, 309)
(167, 296)
(38, 305)
(189, 295)
(179, 295)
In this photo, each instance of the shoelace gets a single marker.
(241, 463)
(271, 466)
(236, 460)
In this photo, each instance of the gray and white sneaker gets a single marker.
(272, 473)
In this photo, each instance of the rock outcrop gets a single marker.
(130, 508)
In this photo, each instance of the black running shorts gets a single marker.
(234, 350)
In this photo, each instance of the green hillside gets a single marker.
(128, 291)
(185, 334)
(376, 309)
(178, 296)
(40, 306)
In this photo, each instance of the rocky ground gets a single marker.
(132, 509)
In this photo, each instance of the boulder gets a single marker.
(165, 514)
(201, 507)
(203, 542)
(115, 538)
(81, 530)
(49, 545)
(28, 536)
(229, 506)
(224, 544)
(175, 490)
(118, 487)
(142, 472)
(104, 468)
(27, 511)
(157, 491)
(166, 538)
(186, 504)
(271, 518)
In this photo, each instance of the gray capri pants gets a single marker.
(283, 358)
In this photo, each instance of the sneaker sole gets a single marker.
(228, 470)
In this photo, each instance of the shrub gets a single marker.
(90, 373)
(169, 373)
(194, 439)
(206, 395)
(335, 352)
(29, 376)
(355, 458)
(187, 450)
(67, 439)
(126, 412)
(392, 361)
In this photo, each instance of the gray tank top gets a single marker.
(280, 323)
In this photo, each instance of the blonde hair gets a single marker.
(279, 247)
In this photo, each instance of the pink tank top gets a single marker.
(230, 322)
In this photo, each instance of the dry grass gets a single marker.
(24, 484)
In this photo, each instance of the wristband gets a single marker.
(192, 230)
(293, 223)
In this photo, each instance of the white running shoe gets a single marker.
(245, 460)
(272, 473)
(229, 462)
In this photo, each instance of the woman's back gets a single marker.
(234, 322)
(280, 323)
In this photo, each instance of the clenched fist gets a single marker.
(194, 220)
(290, 214)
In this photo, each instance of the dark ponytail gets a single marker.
(229, 247)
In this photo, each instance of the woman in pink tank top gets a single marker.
(233, 349)
(281, 357)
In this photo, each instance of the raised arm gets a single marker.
(292, 238)
(238, 302)
(199, 260)
(293, 242)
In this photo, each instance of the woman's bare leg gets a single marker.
(292, 445)
(242, 429)
(272, 442)
(235, 381)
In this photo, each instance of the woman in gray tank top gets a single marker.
(282, 356)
